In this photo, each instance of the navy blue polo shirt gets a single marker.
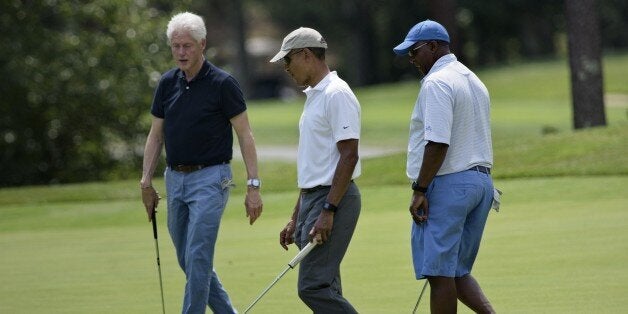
(196, 115)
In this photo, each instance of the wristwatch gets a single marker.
(330, 207)
(254, 183)
(416, 187)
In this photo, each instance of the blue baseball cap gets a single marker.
(426, 30)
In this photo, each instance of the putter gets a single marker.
(294, 262)
(161, 286)
(420, 296)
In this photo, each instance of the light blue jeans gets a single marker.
(196, 202)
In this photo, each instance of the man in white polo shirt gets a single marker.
(450, 157)
(329, 202)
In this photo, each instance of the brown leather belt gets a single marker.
(192, 168)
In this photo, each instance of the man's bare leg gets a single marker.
(442, 295)
(470, 293)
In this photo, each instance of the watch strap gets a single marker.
(330, 207)
(417, 188)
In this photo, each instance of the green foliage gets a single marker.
(79, 76)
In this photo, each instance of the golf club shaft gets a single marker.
(293, 263)
(267, 288)
(420, 296)
(161, 286)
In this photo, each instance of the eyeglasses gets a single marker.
(286, 59)
(411, 53)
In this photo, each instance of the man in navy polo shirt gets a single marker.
(194, 109)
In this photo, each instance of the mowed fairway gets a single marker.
(558, 245)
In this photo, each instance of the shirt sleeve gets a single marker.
(343, 112)
(438, 112)
(231, 98)
(157, 108)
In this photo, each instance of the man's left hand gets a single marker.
(321, 232)
(253, 204)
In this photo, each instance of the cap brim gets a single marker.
(279, 55)
(404, 47)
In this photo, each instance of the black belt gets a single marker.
(481, 169)
(314, 189)
(192, 168)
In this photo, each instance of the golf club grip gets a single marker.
(153, 218)
(295, 261)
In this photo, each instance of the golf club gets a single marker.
(294, 262)
(161, 287)
(420, 296)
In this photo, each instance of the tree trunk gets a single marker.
(585, 63)
(444, 12)
(238, 24)
(362, 43)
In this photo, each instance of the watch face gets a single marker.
(254, 183)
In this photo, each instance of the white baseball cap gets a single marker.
(302, 37)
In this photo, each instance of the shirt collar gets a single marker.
(202, 73)
(323, 83)
(441, 63)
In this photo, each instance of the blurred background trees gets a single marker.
(77, 80)
(78, 76)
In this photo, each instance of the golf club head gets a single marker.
(297, 259)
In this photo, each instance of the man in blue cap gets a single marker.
(450, 157)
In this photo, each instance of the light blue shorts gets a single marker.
(448, 243)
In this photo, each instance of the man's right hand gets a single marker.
(150, 198)
(286, 235)
(419, 208)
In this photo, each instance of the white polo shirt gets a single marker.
(331, 114)
(453, 107)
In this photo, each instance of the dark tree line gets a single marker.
(78, 76)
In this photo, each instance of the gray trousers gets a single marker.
(319, 283)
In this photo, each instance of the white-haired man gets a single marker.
(194, 109)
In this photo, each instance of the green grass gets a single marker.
(525, 99)
(559, 244)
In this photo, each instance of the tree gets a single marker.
(77, 85)
(444, 12)
(585, 63)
